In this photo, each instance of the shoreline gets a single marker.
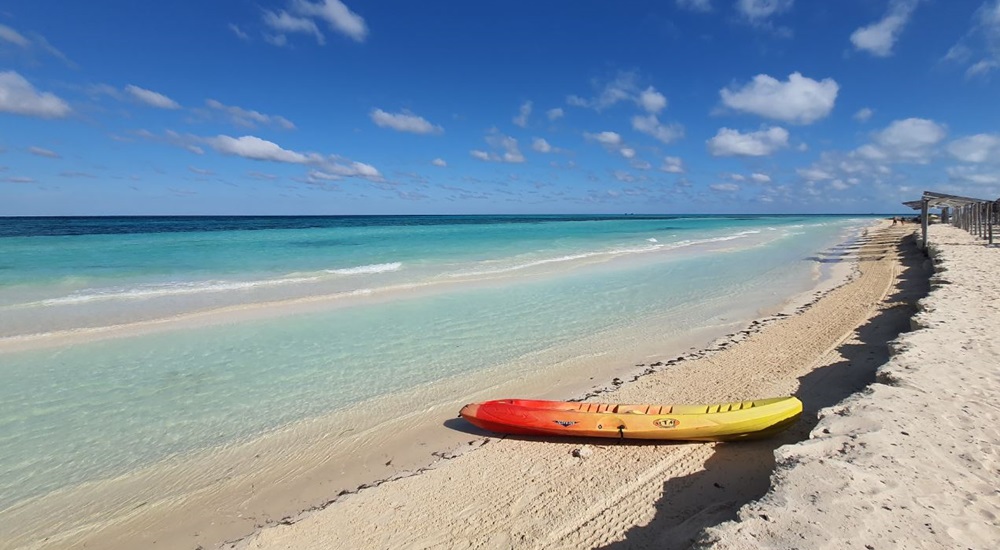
(433, 448)
(391, 490)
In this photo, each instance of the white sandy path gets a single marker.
(523, 493)
(914, 461)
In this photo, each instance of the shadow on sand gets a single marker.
(738, 473)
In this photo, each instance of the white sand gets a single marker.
(533, 493)
(913, 461)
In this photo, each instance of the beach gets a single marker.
(183, 382)
(536, 493)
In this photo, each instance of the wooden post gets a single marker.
(923, 221)
(989, 221)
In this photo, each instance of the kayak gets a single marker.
(718, 422)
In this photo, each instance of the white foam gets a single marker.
(178, 288)
(367, 269)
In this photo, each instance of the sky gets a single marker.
(284, 107)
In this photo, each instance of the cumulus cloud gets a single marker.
(255, 148)
(911, 139)
(974, 175)
(652, 101)
(977, 148)
(651, 125)
(329, 167)
(625, 87)
(879, 37)
(609, 139)
(760, 178)
(504, 149)
(40, 152)
(540, 145)
(283, 22)
(555, 114)
(799, 100)
(248, 118)
(18, 96)
(404, 122)
(863, 114)
(613, 142)
(673, 165)
(304, 17)
(760, 10)
(728, 142)
(523, 113)
(439, 162)
(151, 98)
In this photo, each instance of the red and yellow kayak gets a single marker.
(719, 422)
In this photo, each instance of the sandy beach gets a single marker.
(532, 493)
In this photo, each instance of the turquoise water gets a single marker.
(400, 302)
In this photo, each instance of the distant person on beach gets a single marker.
(894, 220)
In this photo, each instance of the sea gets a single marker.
(131, 345)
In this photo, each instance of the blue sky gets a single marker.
(372, 107)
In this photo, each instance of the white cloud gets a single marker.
(555, 114)
(977, 148)
(404, 122)
(151, 98)
(39, 152)
(763, 142)
(201, 171)
(249, 118)
(540, 145)
(18, 96)
(255, 148)
(673, 165)
(974, 175)
(863, 114)
(879, 38)
(814, 174)
(337, 15)
(911, 139)
(759, 10)
(980, 47)
(505, 149)
(613, 142)
(839, 185)
(304, 17)
(652, 101)
(439, 162)
(651, 125)
(286, 23)
(760, 178)
(725, 187)
(31, 44)
(523, 113)
(240, 33)
(696, 5)
(624, 87)
(610, 139)
(10, 35)
(800, 100)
